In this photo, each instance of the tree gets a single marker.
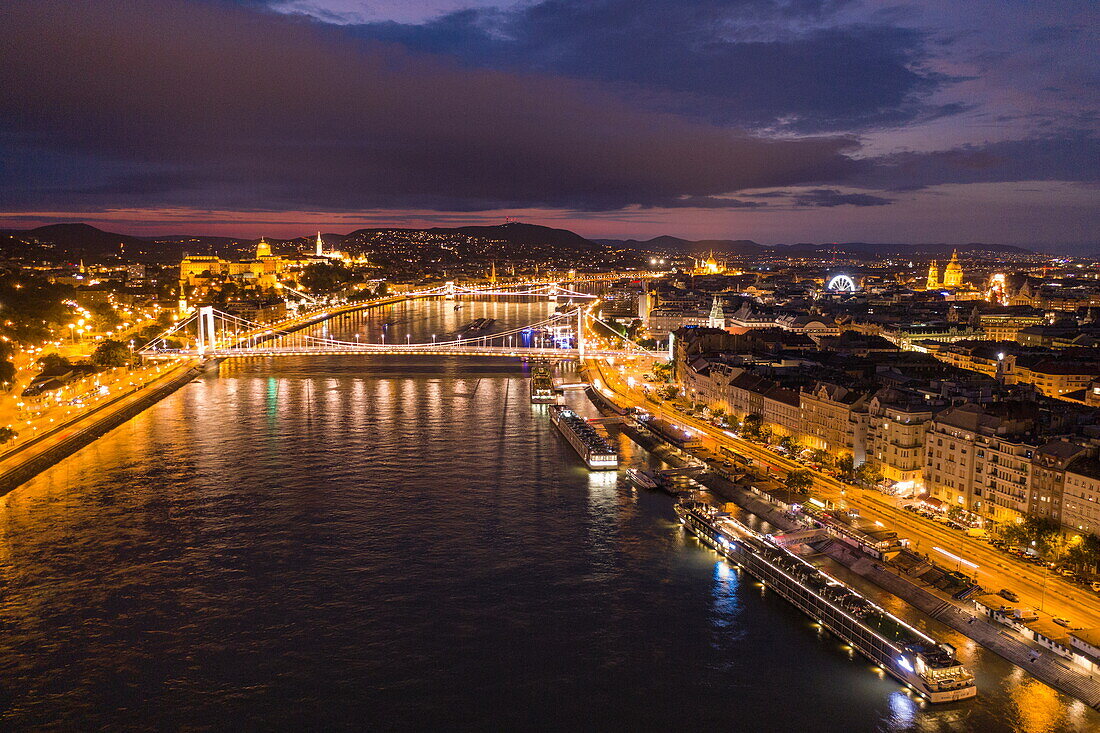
(751, 424)
(325, 277)
(111, 353)
(846, 465)
(790, 445)
(104, 316)
(226, 293)
(668, 392)
(34, 308)
(800, 481)
(1083, 553)
(7, 435)
(821, 456)
(7, 373)
(867, 474)
(54, 362)
(1040, 534)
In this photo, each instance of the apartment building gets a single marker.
(663, 321)
(834, 419)
(897, 420)
(1053, 377)
(1081, 497)
(976, 461)
(1048, 475)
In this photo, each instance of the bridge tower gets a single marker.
(580, 334)
(449, 290)
(207, 336)
(553, 290)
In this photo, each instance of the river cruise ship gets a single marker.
(926, 666)
(592, 447)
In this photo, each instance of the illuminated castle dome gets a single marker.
(953, 273)
(263, 249)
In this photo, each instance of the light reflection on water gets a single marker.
(337, 543)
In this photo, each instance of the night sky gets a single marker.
(779, 121)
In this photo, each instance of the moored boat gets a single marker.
(922, 664)
(542, 386)
(597, 452)
(642, 478)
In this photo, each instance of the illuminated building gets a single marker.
(199, 272)
(953, 273)
(997, 292)
(933, 277)
(709, 267)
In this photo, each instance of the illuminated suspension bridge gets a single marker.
(211, 333)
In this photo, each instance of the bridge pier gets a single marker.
(449, 290)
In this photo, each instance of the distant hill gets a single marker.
(74, 241)
(868, 249)
(852, 249)
(515, 234)
(451, 245)
(441, 245)
(525, 234)
(672, 245)
(513, 241)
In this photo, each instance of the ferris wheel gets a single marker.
(842, 283)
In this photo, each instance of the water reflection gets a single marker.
(331, 543)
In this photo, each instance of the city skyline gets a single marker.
(550, 365)
(776, 122)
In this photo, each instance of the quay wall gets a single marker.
(86, 429)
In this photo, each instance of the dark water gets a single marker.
(330, 543)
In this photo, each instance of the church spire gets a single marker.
(717, 317)
(933, 276)
(320, 246)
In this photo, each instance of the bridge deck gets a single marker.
(368, 350)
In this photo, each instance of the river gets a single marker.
(401, 544)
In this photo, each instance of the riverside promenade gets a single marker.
(27, 459)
